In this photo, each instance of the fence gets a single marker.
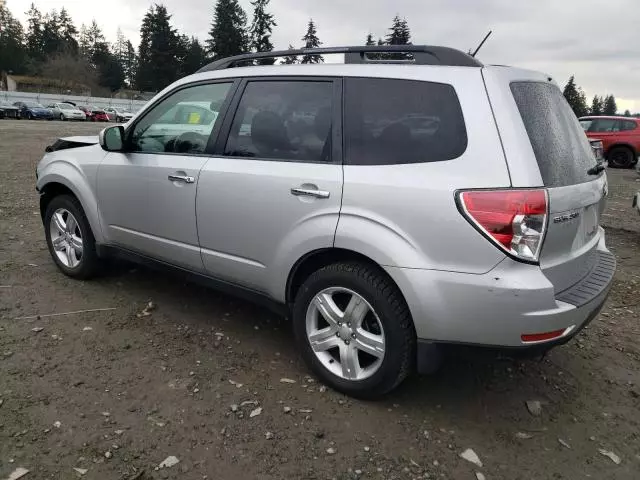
(47, 99)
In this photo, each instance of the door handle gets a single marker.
(309, 192)
(182, 178)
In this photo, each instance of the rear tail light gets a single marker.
(514, 220)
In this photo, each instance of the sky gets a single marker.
(559, 37)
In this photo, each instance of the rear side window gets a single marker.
(401, 121)
(561, 148)
(628, 125)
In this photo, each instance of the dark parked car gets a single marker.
(8, 111)
(33, 111)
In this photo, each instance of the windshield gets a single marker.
(66, 106)
(33, 105)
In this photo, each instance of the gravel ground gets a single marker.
(202, 377)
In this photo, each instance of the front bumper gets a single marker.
(499, 307)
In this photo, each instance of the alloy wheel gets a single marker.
(345, 333)
(66, 238)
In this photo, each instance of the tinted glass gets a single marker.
(585, 124)
(605, 125)
(181, 123)
(286, 120)
(627, 125)
(561, 148)
(401, 121)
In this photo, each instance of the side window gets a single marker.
(401, 121)
(182, 122)
(604, 125)
(628, 125)
(286, 120)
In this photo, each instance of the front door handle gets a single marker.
(309, 192)
(182, 178)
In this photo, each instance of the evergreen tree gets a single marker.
(290, 59)
(576, 98)
(380, 42)
(627, 113)
(311, 40)
(227, 36)
(130, 64)
(84, 45)
(597, 104)
(110, 72)
(370, 41)
(399, 33)
(610, 107)
(193, 55)
(68, 32)
(34, 40)
(158, 62)
(51, 35)
(261, 29)
(12, 51)
(93, 38)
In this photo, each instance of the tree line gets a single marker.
(600, 105)
(51, 45)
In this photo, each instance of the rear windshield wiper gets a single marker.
(596, 170)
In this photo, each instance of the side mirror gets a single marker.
(112, 139)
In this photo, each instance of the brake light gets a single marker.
(515, 220)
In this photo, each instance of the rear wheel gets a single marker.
(70, 239)
(354, 329)
(621, 157)
(62, 117)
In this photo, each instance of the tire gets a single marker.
(387, 317)
(29, 116)
(621, 157)
(62, 117)
(88, 262)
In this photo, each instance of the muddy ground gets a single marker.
(116, 394)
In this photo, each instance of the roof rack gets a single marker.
(422, 55)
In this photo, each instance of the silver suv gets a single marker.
(406, 199)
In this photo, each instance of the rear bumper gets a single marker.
(499, 307)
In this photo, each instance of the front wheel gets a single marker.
(29, 116)
(70, 239)
(354, 329)
(621, 157)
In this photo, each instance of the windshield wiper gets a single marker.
(596, 170)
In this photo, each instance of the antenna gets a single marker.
(482, 43)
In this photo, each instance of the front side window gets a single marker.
(605, 125)
(391, 121)
(285, 120)
(182, 122)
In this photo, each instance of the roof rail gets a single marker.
(422, 55)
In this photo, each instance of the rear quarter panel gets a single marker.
(405, 215)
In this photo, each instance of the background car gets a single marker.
(118, 115)
(620, 138)
(66, 111)
(8, 111)
(99, 115)
(33, 111)
(88, 111)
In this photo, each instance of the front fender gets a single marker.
(56, 169)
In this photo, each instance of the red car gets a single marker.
(99, 116)
(620, 138)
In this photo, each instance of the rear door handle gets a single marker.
(309, 192)
(182, 178)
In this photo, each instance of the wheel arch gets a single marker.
(69, 181)
(314, 260)
(622, 144)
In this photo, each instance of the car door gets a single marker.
(147, 193)
(273, 194)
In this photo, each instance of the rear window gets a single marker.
(401, 121)
(559, 142)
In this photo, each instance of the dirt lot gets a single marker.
(116, 394)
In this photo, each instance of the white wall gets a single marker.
(46, 99)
